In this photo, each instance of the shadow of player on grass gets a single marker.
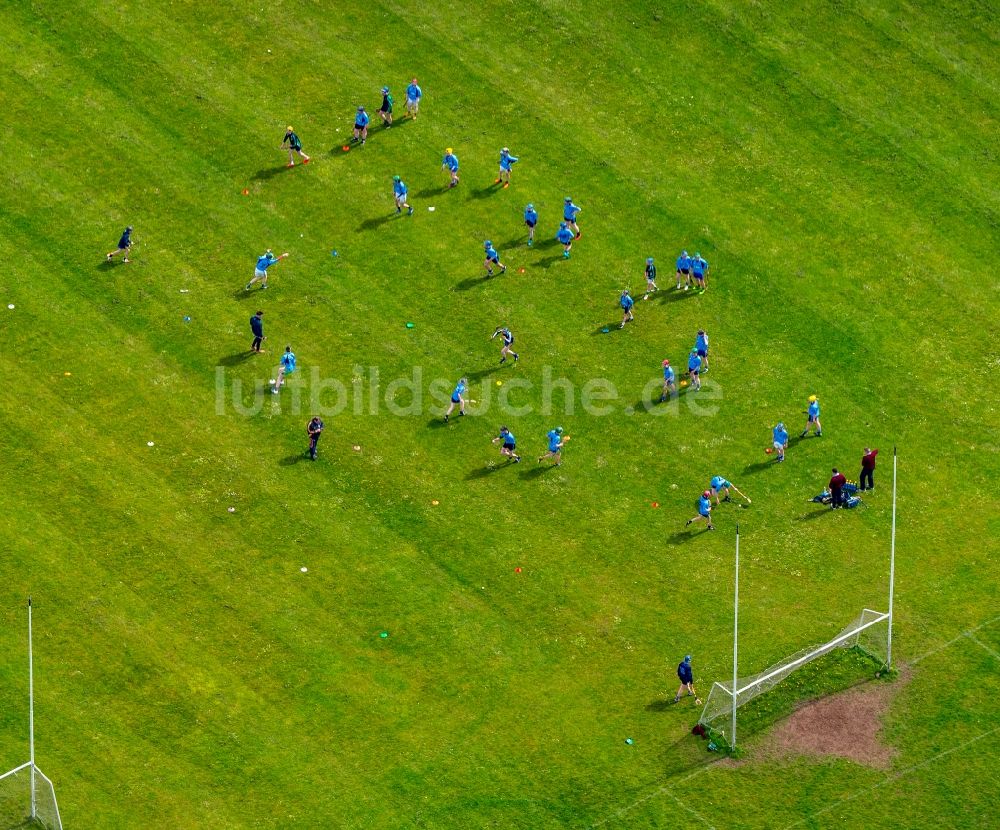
(235, 359)
(266, 173)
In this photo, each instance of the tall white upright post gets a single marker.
(736, 635)
(31, 717)
(892, 562)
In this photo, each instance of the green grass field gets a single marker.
(836, 163)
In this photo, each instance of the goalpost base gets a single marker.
(28, 799)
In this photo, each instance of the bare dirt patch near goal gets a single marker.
(844, 725)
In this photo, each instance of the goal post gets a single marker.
(869, 632)
(27, 796)
(28, 799)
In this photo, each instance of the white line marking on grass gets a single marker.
(952, 641)
(660, 791)
(692, 811)
(983, 645)
(889, 779)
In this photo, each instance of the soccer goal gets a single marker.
(27, 797)
(871, 631)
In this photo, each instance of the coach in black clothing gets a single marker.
(315, 429)
(257, 327)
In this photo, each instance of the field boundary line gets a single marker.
(954, 640)
(665, 788)
(692, 811)
(894, 777)
(983, 646)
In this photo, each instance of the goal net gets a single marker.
(28, 800)
(869, 632)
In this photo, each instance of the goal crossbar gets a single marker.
(16, 770)
(836, 641)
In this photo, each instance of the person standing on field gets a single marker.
(565, 236)
(257, 327)
(530, 220)
(699, 270)
(124, 245)
(450, 163)
(508, 341)
(694, 370)
(626, 302)
(314, 428)
(556, 441)
(399, 191)
(686, 675)
(704, 511)
(413, 96)
(812, 414)
(837, 482)
(701, 346)
(492, 258)
(386, 109)
(569, 216)
(779, 437)
(509, 447)
(286, 367)
(669, 387)
(650, 278)
(867, 477)
(684, 271)
(457, 399)
(506, 162)
(360, 126)
(264, 261)
(291, 140)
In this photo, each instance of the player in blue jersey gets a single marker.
(492, 258)
(291, 141)
(650, 278)
(701, 346)
(530, 220)
(360, 126)
(699, 270)
(704, 511)
(386, 109)
(779, 440)
(264, 261)
(399, 191)
(669, 387)
(556, 441)
(508, 341)
(718, 484)
(509, 444)
(565, 236)
(626, 302)
(569, 216)
(694, 370)
(450, 163)
(684, 270)
(413, 95)
(812, 414)
(286, 367)
(457, 399)
(124, 245)
(506, 162)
